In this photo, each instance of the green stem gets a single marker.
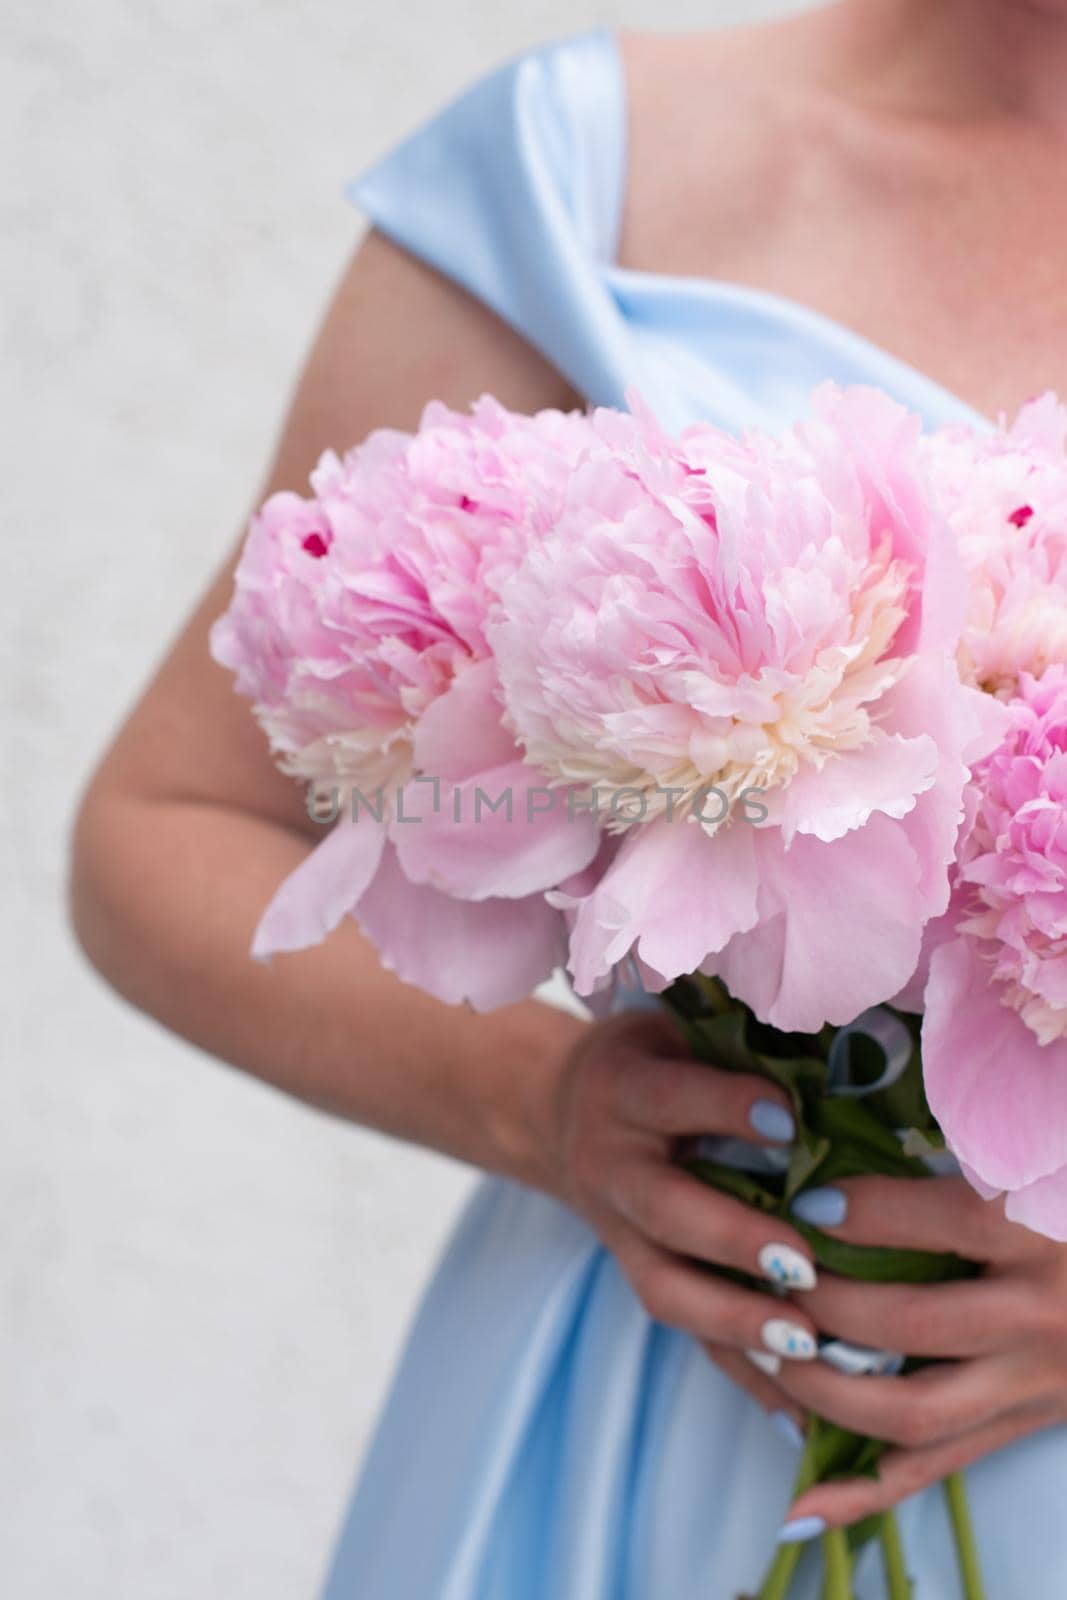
(897, 1582)
(779, 1574)
(963, 1533)
(837, 1582)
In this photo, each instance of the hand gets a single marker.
(628, 1093)
(1003, 1336)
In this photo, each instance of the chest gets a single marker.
(960, 271)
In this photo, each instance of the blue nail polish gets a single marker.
(801, 1529)
(772, 1121)
(788, 1428)
(821, 1208)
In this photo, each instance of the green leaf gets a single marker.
(699, 996)
(879, 1264)
(810, 1154)
(742, 1185)
(720, 1041)
(834, 1449)
(860, 1138)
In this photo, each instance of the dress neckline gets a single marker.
(768, 301)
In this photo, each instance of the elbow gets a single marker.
(94, 870)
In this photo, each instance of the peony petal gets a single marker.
(876, 436)
(1042, 1205)
(929, 701)
(530, 842)
(999, 1096)
(673, 891)
(938, 931)
(488, 953)
(986, 1190)
(313, 899)
(460, 734)
(885, 775)
(840, 927)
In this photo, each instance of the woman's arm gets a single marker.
(186, 827)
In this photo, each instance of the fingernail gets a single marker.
(772, 1121)
(821, 1208)
(784, 1265)
(767, 1363)
(788, 1428)
(788, 1339)
(801, 1528)
(859, 1360)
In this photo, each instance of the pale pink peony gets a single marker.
(357, 628)
(354, 609)
(1005, 496)
(992, 977)
(994, 1038)
(774, 617)
(1004, 493)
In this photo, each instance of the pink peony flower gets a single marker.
(356, 627)
(774, 620)
(994, 1035)
(1005, 496)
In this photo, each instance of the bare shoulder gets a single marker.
(395, 334)
(721, 125)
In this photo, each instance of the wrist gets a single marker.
(525, 1121)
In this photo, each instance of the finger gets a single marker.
(761, 1386)
(690, 1218)
(940, 1214)
(970, 1318)
(921, 1408)
(642, 1030)
(905, 1472)
(676, 1096)
(675, 1292)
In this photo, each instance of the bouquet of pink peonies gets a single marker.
(773, 727)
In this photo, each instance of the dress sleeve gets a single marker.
(514, 189)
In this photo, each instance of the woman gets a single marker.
(873, 193)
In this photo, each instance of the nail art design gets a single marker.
(785, 1266)
(767, 1363)
(859, 1360)
(788, 1339)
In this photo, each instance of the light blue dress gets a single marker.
(543, 1438)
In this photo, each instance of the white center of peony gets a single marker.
(367, 759)
(790, 717)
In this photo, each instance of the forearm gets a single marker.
(164, 897)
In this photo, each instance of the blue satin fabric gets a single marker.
(543, 1438)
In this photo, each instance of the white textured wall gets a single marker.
(202, 1285)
